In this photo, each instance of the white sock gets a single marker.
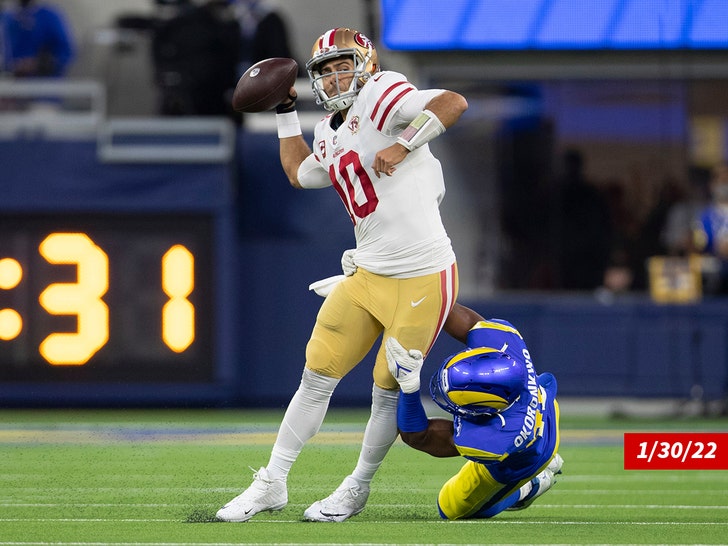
(380, 434)
(301, 422)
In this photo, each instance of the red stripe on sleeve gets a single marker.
(383, 98)
(386, 112)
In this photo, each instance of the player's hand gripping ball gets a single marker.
(265, 85)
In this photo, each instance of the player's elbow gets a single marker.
(415, 440)
(293, 180)
(291, 167)
(449, 106)
(460, 103)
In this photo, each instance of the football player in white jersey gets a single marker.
(372, 148)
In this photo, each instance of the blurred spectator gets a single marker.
(676, 235)
(624, 232)
(36, 41)
(196, 53)
(643, 237)
(263, 31)
(639, 233)
(582, 227)
(711, 231)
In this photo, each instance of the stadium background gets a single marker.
(113, 166)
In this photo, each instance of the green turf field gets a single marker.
(158, 477)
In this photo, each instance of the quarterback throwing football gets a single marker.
(373, 149)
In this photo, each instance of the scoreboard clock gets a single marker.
(106, 298)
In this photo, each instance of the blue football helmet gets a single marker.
(478, 382)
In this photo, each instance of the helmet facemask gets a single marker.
(341, 43)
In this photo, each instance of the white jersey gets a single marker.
(397, 224)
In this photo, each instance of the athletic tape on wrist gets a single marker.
(288, 125)
(422, 130)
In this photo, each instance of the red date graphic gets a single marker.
(676, 450)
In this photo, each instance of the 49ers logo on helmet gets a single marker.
(362, 40)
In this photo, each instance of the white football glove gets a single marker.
(347, 262)
(404, 365)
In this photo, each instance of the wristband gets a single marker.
(288, 125)
(288, 107)
(422, 130)
(411, 416)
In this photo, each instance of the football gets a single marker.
(265, 84)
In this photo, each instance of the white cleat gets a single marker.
(555, 465)
(263, 495)
(348, 500)
(540, 484)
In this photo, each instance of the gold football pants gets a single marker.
(365, 305)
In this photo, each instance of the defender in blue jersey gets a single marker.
(506, 420)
